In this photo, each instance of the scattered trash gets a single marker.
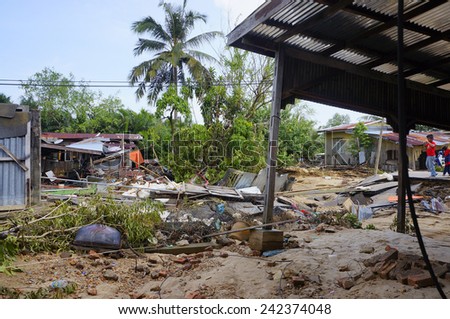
(435, 205)
(220, 208)
(51, 176)
(364, 212)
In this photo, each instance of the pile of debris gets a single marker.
(405, 268)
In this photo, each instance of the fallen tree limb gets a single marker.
(15, 229)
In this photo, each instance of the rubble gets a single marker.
(198, 237)
(405, 268)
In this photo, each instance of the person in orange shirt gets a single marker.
(430, 146)
(447, 160)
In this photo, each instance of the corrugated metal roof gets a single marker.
(82, 136)
(346, 127)
(352, 48)
(419, 138)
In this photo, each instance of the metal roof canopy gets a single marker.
(358, 55)
(344, 53)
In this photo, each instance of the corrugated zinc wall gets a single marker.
(12, 176)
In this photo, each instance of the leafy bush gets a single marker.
(8, 250)
(55, 230)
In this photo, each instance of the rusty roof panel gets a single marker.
(351, 57)
(388, 68)
(268, 31)
(422, 78)
(445, 87)
(409, 37)
(345, 25)
(350, 51)
(298, 11)
(437, 19)
(437, 49)
(308, 43)
(66, 136)
(388, 7)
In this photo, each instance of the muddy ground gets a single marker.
(326, 261)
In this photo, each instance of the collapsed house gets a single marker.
(19, 157)
(76, 155)
(338, 139)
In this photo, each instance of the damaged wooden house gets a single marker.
(338, 141)
(19, 157)
(77, 155)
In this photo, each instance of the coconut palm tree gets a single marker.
(173, 51)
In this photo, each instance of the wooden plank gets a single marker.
(15, 159)
(251, 227)
(176, 250)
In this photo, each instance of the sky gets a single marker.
(92, 39)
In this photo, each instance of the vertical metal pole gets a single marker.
(273, 138)
(402, 131)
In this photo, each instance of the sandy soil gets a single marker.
(312, 268)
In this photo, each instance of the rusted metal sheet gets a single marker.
(82, 136)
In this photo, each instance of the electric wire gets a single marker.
(419, 235)
(108, 83)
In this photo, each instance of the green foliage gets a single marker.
(338, 119)
(351, 220)
(66, 107)
(370, 227)
(425, 128)
(360, 140)
(56, 231)
(9, 248)
(298, 138)
(173, 53)
(409, 225)
(41, 293)
(4, 98)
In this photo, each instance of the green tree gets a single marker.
(4, 98)
(53, 93)
(174, 52)
(171, 103)
(298, 138)
(70, 106)
(338, 119)
(360, 140)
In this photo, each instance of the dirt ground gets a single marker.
(325, 262)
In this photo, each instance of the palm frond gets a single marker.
(148, 45)
(201, 38)
(201, 56)
(149, 25)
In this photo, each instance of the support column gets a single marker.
(35, 157)
(273, 138)
(402, 130)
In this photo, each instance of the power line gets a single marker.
(106, 83)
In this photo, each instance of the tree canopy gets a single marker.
(338, 119)
(173, 52)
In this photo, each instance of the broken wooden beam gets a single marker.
(188, 249)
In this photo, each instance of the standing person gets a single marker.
(447, 160)
(430, 146)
